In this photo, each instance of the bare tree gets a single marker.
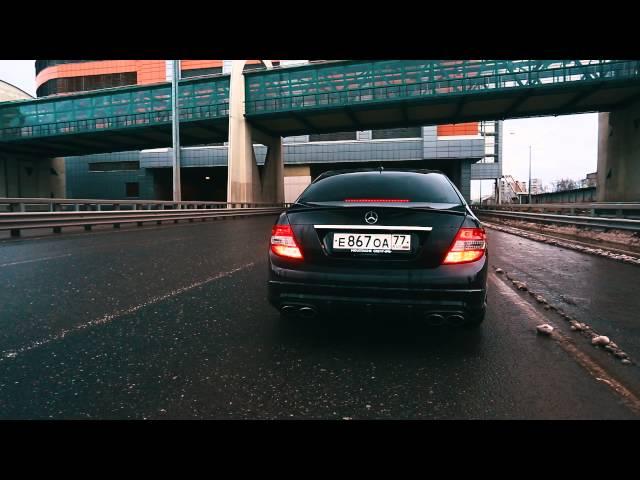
(564, 184)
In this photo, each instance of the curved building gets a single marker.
(68, 76)
(10, 92)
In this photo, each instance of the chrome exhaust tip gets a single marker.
(456, 319)
(288, 310)
(307, 312)
(435, 319)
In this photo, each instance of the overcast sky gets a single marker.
(564, 146)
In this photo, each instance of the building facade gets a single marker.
(511, 190)
(55, 77)
(22, 176)
(536, 186)
(591, 180)
(464, 151)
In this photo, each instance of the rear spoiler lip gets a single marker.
(373, 227)
(460, 209)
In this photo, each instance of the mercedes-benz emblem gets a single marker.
(371, 217)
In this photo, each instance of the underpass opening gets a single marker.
(197, 183)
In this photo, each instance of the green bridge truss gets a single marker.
(327, 85)
(114, 108)
(291, 92)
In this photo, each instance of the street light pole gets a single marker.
(529, 174)
(177, 194)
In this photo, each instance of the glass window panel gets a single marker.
(45, 107)
(64, 116)
(45, 118)
(63, 106)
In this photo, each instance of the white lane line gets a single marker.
(34, 260)
(595, 370)
(119, 313)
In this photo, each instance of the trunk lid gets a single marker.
(431, 228)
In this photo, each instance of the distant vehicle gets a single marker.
(390, 240)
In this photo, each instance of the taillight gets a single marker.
(283, 242)
(468, 246)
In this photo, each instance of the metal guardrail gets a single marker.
(585, 221)
(575, 195)
(607, 209)
(15, 222)
(84, 204)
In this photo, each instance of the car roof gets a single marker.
(380, 169)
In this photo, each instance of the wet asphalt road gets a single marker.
(172, 322)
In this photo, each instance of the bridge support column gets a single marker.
(31, 176)
(619, 155)
(272, 178)
(245, 182)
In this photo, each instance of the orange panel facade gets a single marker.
(151, 71)
(196, 64)
(148, 71)
(471, 128)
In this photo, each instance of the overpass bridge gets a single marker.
(263, 106)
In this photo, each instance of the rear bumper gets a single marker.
(444, 290)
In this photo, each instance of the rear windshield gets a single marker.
(382, 186)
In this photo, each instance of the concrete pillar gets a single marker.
(463, 180)
(244, 182)
(619, 155)
(296, 179)
(4, 177)
(272, 188)
(58, 177)
(27, 176)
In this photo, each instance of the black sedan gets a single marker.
(399, 241)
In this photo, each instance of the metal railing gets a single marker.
(626, 216)
(575, 195)
(83, 204)
(593, 209)
(279, 97)
(17, 221)
(158, 117)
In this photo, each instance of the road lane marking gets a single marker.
(119, 313)
(34, 260)
(595, 370)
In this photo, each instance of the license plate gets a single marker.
(372, 243)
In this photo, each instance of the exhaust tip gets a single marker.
(307, 312)
(456, 319)
(435, 319)
(288, 310)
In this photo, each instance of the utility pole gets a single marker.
(529, 174)
(175, 77)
